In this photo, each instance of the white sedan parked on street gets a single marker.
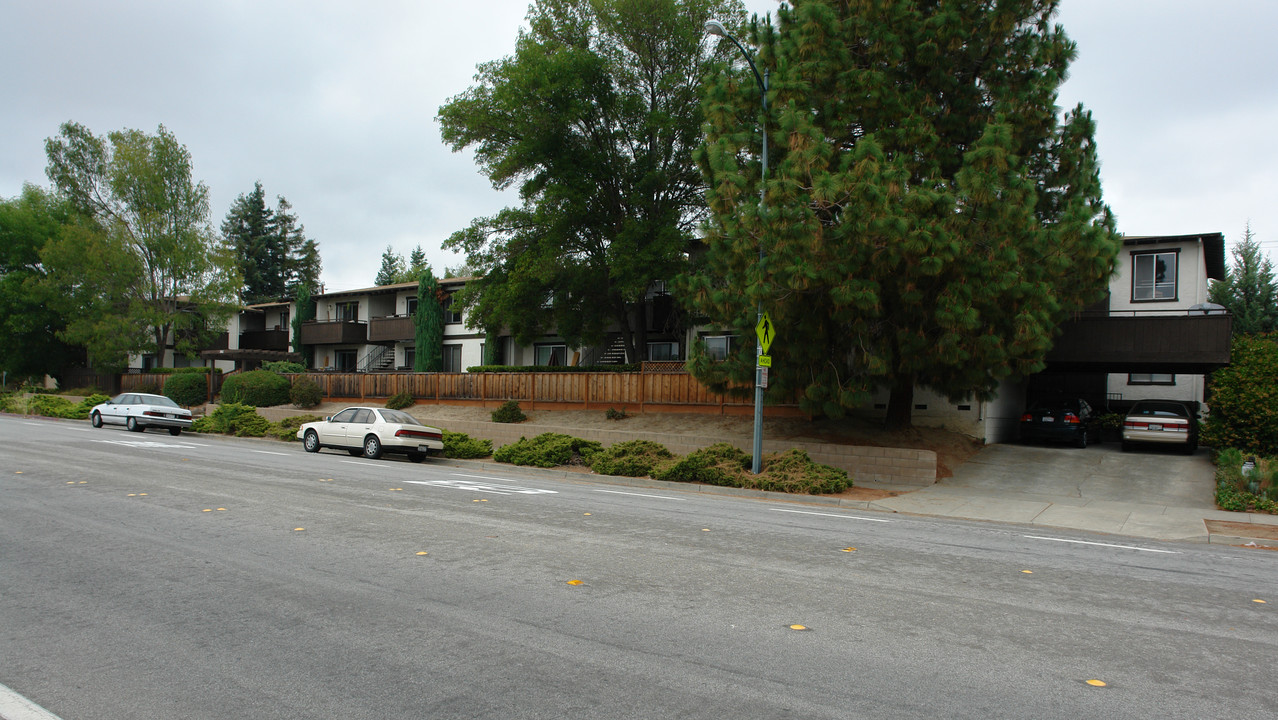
(371, 432)
(139, 411)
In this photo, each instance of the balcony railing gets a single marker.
(391, 328)
(334, 332)
(264, 340)
(1190, 344)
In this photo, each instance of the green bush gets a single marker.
(719, 464)
(284, 367)
(259, 388)
(51, 405)
(149, 388)
(632, 458)
(509, 412)
(1244, 404)
(614, 414)
(548, 450)
(187, 389)
(1254, 492)
(226, 418)
(400, 400)
(305, 393)
(464, 447)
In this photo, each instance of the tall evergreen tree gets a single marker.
(429, 323)
(392, 268)
(305, 312)
(1248, 290)
(595, 117)
(272, 250)
(928, 218)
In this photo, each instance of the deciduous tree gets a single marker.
(929, 218)
(151, 266)
(594, 117)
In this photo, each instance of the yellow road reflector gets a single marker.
(17, 472)
(798, 627)
(221, 508)
(133, 494)
(141, 494)
(298, 529)
(207, 510)
(705, 529)
(1028, 572)
(576, 582)
(1097, 683)
(585, 513)
(1262, 602)
(422, 553)
(849, 549)
(70, 482)
(84, 482)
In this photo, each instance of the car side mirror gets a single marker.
(328, 419)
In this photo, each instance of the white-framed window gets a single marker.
(1154, 275)
(550, 354)
(663, 351)
(410, 305)
(451, 317)
(1151, 379)
(347, 311)
(718, 347)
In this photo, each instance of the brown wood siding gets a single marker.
(1174, 344)
(388, 329)
(337, 332)
(264, 340)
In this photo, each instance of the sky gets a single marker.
(332, 105)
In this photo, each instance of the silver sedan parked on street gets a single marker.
(371, 432)
(139, 411)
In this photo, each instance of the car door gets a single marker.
(333, 432)
(359, 427)
(118, 410)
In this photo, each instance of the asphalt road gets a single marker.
(145, 576)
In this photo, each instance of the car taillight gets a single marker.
(1027, 418)
(1135, 425)
(419, 434)
(1072, 419)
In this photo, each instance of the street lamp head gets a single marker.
(714, 27)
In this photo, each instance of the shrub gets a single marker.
(1244, 410)
(1256, 491)
(305, 393)
(225, 418)
(614, 414)
(464, 447)
(187, 389)
(251, 426)
(284, 367)
(547, 450)
(719, 464)
(400, 400)
(260, 388)
(509, 412)
(50, 406)
(149, 388)
(632, 458)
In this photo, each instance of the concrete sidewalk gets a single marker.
(1153, 493)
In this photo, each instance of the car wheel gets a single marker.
(1081, 441)
(310, 441)
(175, 431)
(372, 447)
(416, 457)
(132, 425)
(96, 419)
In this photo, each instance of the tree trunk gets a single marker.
(900, 403)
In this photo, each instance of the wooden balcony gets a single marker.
(391, 328)
(1187, 344)
(264, 340)
(334, 332)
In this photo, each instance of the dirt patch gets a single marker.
(1241, 529)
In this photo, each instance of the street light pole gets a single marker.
(715, 27)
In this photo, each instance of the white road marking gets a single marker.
(1100, 544)
(481, 477)
(15, 707)
(481, 487)
(148, 444)
(659, 497)
(268, 452)
(365, 464)
(833, 515)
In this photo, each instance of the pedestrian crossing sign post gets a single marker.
(766, 332)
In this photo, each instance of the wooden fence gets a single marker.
(642, 391)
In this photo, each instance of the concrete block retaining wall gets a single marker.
(891, 466)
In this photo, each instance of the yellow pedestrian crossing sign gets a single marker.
(765, 331)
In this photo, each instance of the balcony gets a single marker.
(1187, 344)
(334, 332)
(264, 340)
(391, 328)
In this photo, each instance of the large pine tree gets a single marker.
(929, 217)
(272, 250)
(1248, 290)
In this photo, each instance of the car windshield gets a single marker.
(157, 400)
(396, 416)
(1160, 409)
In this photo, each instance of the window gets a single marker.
(345, 415)
(344, 360)
(551, 354)
(411, 305)
(452, 358)
(347, 311)
(283, 320)
(451, 317)
(364, 416)
(663, 351)
(1151, 379)
(1154, 276)
(719, 346)
(410, 357)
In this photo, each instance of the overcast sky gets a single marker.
(333, 104)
